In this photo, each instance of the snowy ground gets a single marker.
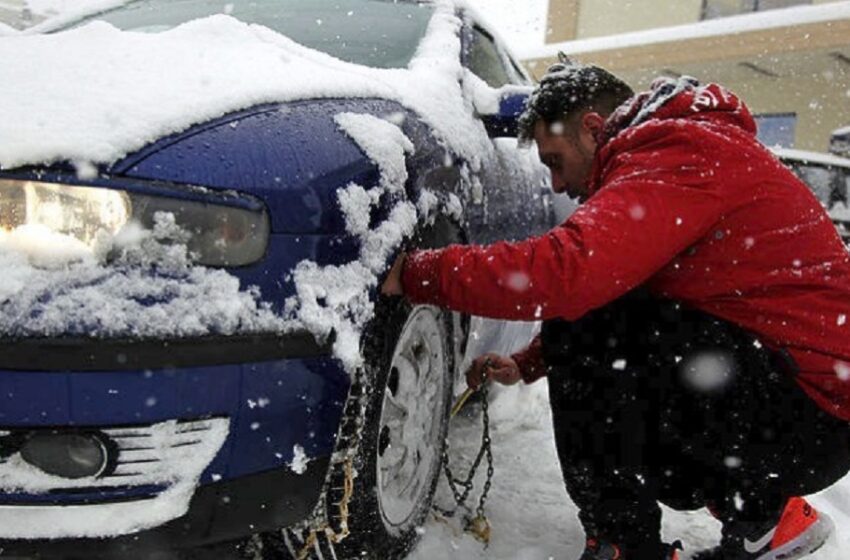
(531, 515)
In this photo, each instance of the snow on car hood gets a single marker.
(100, 93)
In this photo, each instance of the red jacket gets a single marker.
(688, 202)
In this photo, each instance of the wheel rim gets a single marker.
(411, 417)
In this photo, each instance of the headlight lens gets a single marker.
(77, 212)
(221, 235)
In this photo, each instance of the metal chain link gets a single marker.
(467, 483)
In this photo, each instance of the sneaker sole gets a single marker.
(808, 542)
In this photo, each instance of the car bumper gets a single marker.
(236, 410)
(93, 355)
(219, 512)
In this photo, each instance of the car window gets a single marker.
(828, 183)
(374, 33)
(521, 77)
(485, 60)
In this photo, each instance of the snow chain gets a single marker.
(479, 526)
(303, 538)
(333, 536)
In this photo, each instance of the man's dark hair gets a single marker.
(568, 88)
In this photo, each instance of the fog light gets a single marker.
(66, 455)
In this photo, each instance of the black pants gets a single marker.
(652, 401)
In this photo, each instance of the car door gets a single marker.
(511, 197)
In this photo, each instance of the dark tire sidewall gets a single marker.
(370, 537)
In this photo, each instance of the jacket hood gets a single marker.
(682, 98)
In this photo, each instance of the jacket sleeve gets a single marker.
(653, 203)
(530, 362)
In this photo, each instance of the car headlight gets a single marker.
(221, 235)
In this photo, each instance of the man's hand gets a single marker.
(498, 368)
(392, 284)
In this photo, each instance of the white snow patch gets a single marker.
(708, 371)
(299, 460)
(383, 142)
(356, 204)
(454, 207)
(7, 30)
(637, 212)
(518, 281)
(842, 370)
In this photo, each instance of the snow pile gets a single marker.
(149, 289)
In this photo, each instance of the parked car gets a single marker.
(828, 175)
(839, 142)
(122, 445)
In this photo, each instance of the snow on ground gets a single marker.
(531, 516)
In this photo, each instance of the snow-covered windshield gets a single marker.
(377, 33)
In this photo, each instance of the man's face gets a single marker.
(567, 149)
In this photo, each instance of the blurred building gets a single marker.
(788, 59)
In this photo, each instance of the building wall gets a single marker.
(798, 68)
(598, 18)
(820, 101)
(582, 19)
(821, 105)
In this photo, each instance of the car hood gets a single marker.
(294, 157)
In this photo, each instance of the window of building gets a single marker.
(712, 9)
(777, 129)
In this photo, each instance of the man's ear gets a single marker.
(592, 122)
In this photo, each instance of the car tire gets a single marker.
(406, 421)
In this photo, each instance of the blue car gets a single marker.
(259, 440)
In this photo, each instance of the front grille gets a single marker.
(162, 455)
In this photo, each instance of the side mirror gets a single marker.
(501, 121)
